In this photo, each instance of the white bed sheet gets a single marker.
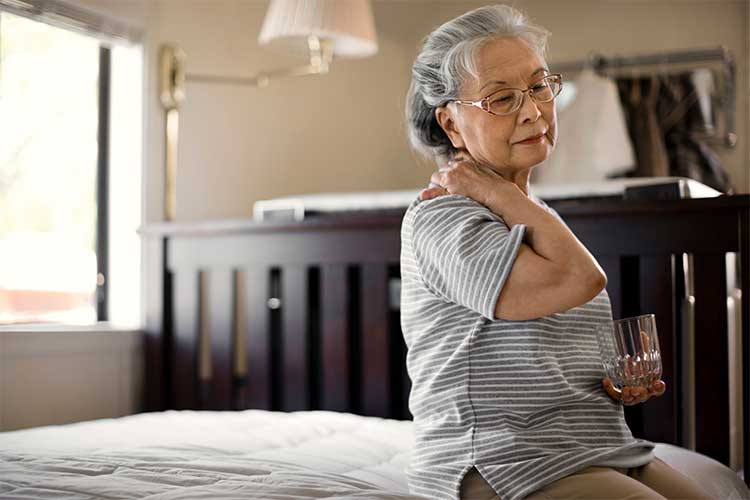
(251, 454)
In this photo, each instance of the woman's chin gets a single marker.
(532, 160)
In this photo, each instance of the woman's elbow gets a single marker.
(595, 283)
(599, 280)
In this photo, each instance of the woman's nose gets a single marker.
(529, 110)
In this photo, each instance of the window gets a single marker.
(70, 170)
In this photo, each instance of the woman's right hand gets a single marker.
(631, 395)
(466, 177)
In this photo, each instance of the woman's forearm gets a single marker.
(545, 233)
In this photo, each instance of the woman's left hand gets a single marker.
(465, 176)
(631, 395)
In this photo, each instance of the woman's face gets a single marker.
(496, 140)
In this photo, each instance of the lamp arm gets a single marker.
(173, 76)
(261, 79)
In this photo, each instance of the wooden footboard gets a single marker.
(304, 316)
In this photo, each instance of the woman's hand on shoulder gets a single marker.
(465, 176)
(631, 395)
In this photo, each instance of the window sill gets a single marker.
(67, 339)
(101, 327)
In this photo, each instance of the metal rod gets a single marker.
(599, 61)
(260, 80)
(680, 59)
(320, 53)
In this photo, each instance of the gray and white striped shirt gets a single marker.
(520, 400)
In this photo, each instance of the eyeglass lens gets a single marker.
(508, 100)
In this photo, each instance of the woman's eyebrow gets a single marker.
(501, 82)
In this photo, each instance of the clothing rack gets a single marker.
(659, 63)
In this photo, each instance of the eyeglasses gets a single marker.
(507, 101)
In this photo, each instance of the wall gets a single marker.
(344, 131)
(55, 377)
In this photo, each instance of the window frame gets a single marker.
(102, 184)
(104, 90)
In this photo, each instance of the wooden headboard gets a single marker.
(305, 316)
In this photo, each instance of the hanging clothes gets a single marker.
(664, 116)
(640, 97)
(690, 156)
(592, 138)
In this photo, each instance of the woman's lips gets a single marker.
(532, 140)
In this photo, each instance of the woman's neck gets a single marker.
(518, 177)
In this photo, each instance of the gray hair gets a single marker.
(445, 61)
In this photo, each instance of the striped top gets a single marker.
(521, 401)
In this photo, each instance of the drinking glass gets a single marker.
(630, 351)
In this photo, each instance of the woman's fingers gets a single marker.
(632, 395)
(641, 394)
(645, 343)
(610, 389)
(627, 395)
(657, 388)
(431, 192)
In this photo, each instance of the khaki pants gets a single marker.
(655, 480)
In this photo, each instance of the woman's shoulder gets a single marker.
(447, 202)
(447, 211)
(539, 201)
(544, 205)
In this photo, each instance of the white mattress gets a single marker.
(251, 454)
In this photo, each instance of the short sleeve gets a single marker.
(464, 252)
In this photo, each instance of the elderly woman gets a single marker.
(499, 298)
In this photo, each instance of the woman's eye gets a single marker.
(503, 99)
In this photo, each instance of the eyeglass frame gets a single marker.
(483, 103)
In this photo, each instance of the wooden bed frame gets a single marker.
(304, 315)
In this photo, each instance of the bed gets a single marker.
(294, 325)
(249, 454)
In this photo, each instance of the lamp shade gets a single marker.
(347, 24)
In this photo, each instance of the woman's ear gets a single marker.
(446, 119)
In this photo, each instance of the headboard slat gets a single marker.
(335, 376)
(375, 336)
(660, 422)
(186, 282)
(294, 339)
(711, 356)
(221, 298)
(257, 338)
